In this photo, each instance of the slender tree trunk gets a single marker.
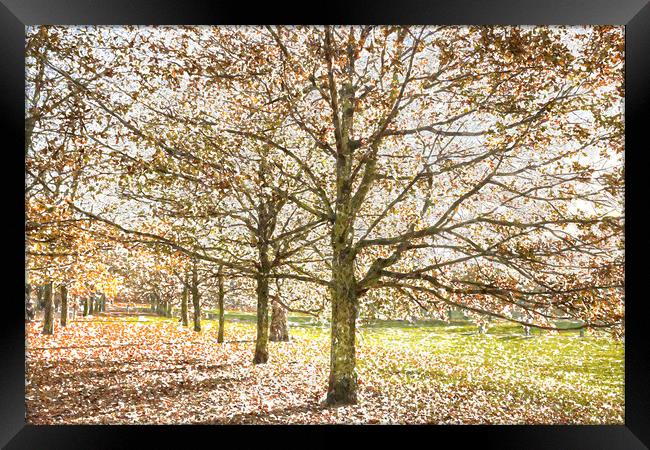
(195, 299)
(86, 306)
(57, 301)
(29, 308)
(184, 317)
(39, 297)
(91, 305)
(264, 230)
(220, 304)
(64, 306)
(48, 318)
(279, 328)
(262, 339)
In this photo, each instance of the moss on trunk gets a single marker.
(342, 388)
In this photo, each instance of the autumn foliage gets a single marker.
(346, 173)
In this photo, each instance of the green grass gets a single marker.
(574, 375)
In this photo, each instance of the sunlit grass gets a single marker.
(567, 371)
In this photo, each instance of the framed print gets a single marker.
(408, 217)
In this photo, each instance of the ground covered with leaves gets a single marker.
(118, 368)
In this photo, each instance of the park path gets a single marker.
(125, 310)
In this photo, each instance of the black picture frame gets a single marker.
(634, 14)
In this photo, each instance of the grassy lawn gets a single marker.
(569, 372)
(148, 369)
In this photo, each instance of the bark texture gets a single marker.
(220, 300)
(184, 315)
(196, 303)
(342, 388)
(264, 230)
(64, 306)
(262, 340)
(48, 318)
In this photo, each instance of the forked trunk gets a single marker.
(48, 318)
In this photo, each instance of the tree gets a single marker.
(443, 147)
(48, 319)
(279, 327)
(196, 304)
(383, 164)
(64, 305)
(184, 309)
(220, 298)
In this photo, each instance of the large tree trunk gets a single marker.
(342, 387)
(220, 302)
(64, 306)
(279, 329)
(48, 318)
(184, 317)
(91, 305)
(195, 299)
